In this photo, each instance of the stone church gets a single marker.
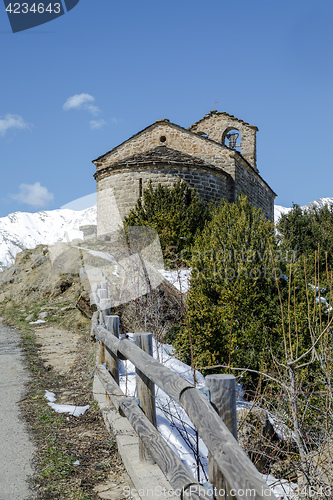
(216, 155)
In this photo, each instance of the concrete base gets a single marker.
(149, 481)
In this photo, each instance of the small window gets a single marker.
(140, 187)
(162, 138)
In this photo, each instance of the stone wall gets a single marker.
(108, 215)
(255, 189)
(117, 194)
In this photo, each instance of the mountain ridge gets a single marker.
(319, 203)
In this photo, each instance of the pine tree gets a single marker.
(306, 231)
(176, 213)
(233, 305)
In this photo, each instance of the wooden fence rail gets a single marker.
(240, 477)
(174, 470)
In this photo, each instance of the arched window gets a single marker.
(231, 137)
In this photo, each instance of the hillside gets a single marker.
(42, 293)
(42, 302)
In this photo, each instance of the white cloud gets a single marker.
(97, 124)
(12, 121)
(35, 195)
(82, 101)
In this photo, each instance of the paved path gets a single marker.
(15, 447)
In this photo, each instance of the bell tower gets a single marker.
(231, 132)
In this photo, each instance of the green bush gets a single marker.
(176, 213)
(232, 309)
(306, 231)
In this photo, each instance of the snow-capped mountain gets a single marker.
(22, 230)
(320, 203)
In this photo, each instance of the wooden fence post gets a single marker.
(222, 390)
(112, 360)
(145, 391)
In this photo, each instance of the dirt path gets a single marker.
(15, 444)
(58, 347)
(64, 352)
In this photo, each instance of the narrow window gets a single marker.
(140, 187)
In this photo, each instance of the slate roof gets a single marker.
(161, 155)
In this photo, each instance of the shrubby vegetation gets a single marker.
(232, 307)
(251, 286)
(259, 306)
(305, 230)
(177, 214)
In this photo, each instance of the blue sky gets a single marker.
(74, 88)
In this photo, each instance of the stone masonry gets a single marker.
(165, 152)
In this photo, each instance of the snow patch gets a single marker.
(76, 411)
(179, 279)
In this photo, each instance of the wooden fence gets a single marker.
(230, 469)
